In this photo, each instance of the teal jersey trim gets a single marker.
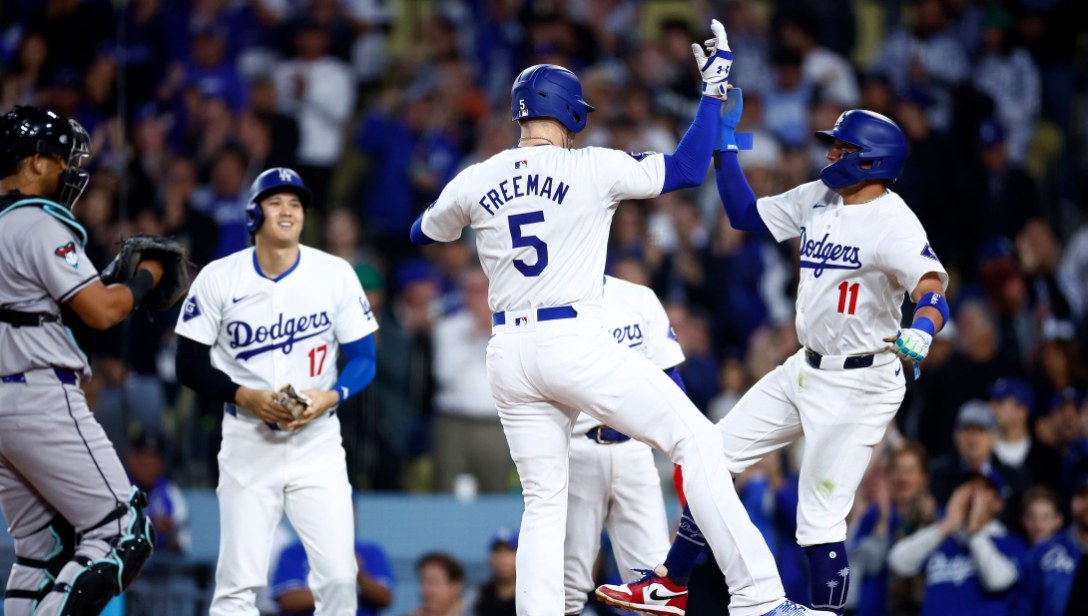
(56, 210)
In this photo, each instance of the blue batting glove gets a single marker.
(728, 140)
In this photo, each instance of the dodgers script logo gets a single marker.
(631, 335)
(283, 334)
(823, 254)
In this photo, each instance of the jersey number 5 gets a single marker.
(524, 241)
(853, 290)
(317, 365)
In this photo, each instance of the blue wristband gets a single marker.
(924, 324)
(934, 300)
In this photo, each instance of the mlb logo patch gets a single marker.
(521, 321)
(191, 310)
(928, 252)
(519, 164)
(68, 253)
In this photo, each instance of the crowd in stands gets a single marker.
(980, 490)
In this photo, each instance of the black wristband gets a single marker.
(717, 159)
(140, 285)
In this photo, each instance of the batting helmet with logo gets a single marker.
(278, 179)
(549, 91)
(881, 141)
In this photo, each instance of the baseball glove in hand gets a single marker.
(143, 246)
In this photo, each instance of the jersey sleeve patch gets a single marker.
(640, 155)
(68, 253)
(928, 252)
(191, 310)
(672, 334)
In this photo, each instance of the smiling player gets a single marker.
(269, 315)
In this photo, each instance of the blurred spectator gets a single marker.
(210, 70)
(975, 438)
(733, 382)
(976, 364)
(343, 237)
(27, 74)
(971, 560)
(1011, 402)
(1007, 73)
(223, 199)
(786, 102)
(1070, 411)
(441, 580)
(468, 436)
(283, 128)
(899, 505)
(827, 70)
(374, 581)
(181, 220)
(927, 56)
(1061, 427)
(1047, 579)
(1042, 514)
(1073, 273)
(496, 596)
(1040, 255)
(1004, 197)
(316, 89)
(165, 502)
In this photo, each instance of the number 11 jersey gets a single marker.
(542, 216)
(856, 262)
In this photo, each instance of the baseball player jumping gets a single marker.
(81, 535)
(541, 212)
(617, 486)
(861, 249)
(261, 331)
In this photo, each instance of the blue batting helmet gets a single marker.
(881, 142)
(549, 91)
(278, 179)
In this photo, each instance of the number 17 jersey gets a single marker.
(542, 216)
(856, 262)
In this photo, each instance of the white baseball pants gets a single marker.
(841, 413)
(541, 375)
(616, 487)
(264, 473)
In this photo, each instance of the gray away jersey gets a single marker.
(42, 265)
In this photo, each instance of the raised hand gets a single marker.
(715, 61)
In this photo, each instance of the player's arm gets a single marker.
(102, 307)
(443, 220)
(737, 196)
(193, 364)
(930, 315)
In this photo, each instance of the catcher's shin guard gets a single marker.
(38, 561)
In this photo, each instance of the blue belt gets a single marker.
(607, 436)
(542, 314)
(65, 376)
(851, 363)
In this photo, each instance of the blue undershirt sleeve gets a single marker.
(674, 374)
(686, 168)
(360, 369)
(737, 196)
(418, 236)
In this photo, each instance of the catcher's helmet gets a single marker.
(278, 179)
(26, 131)
(549, 91)
(881, 142)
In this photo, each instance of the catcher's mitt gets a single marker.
(175, 275)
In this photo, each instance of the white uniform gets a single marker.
(265, 333)
(857, 262)
(542, 217)
(616, 486)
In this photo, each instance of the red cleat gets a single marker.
(653, 594)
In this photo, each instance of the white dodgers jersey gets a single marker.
(266, 332)
(542, 216)
(635, 318)
(856, 261)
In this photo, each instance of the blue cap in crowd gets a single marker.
(975, 414)
(1012, 387)
(505, 536)
(1066, 395)
(413, 271)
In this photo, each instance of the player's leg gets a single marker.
(764, 420)
(627, 392)
(65, 474)
(637, 523)
(845, 415)
(319, 506)
(587, 502)
(250, 508)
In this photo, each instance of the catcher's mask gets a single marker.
(26, 131)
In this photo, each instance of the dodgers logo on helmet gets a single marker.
(882, 144)
(279, 179)
(549, 91)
